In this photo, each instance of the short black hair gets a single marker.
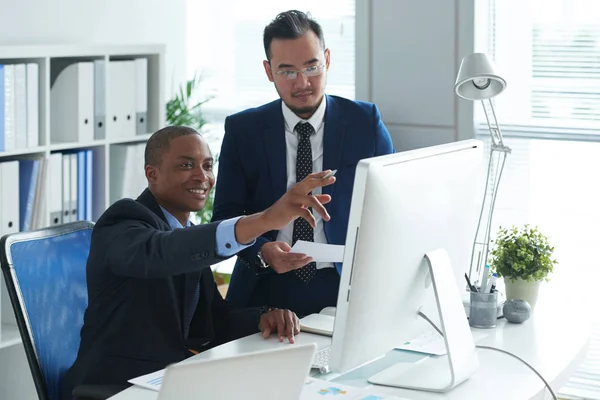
(160, 140)
(290, 25)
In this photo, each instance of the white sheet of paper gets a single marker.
(150, 381)
(320, 252)
(432, 343)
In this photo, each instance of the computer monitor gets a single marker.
(405, 206)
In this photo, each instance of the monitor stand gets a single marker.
(441, 373)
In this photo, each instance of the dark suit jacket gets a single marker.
(141, 277)
(253, 175)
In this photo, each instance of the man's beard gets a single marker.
(303, 110)
(306, 110)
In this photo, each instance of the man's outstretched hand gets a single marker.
(283, 323)
(295, 203)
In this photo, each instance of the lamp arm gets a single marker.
(494, 127)
(498, 152)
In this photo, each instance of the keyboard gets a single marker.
(321, 360)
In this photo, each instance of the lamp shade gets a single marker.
(477, 78)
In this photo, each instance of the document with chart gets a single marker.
(316, 389)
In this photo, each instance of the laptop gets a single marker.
(272, 374)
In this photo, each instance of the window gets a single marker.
(549, 53)
(224, 43)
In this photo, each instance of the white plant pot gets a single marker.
(521, 289)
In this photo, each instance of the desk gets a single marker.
(554, 348)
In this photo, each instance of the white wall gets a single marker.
(408, 53)
(100, 21)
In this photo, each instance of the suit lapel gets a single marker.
(275, 147)
(333, 139)
(191, 283)
(190, 280)
(148, 200)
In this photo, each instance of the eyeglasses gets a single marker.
(289, 74)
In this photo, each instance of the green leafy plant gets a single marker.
(185, 110)
(522, 253)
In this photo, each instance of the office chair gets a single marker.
(44, 272)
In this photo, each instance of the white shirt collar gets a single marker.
(315, 120)
(174, 222)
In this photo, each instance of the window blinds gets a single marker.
(549, 52)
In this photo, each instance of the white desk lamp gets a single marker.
(478, 80)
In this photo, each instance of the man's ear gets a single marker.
(327, 58)
(268, 70)
(151, 173)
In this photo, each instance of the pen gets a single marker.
(493, 283)
(330, 174)
(473, 288)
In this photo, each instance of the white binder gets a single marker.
(10, 141)
(141, 182)
(99, 100)
(118, 171)
(33, 105)
(72, 104)
(21, 106)
(66, 188)
(141, 95)
(121, 99)
(39, 217)
(55, 201)
(9, 191)
(131, 165)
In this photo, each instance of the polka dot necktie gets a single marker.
(302, 229)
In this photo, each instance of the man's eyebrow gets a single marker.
(311, 61)
(190, 158)
(285, 66)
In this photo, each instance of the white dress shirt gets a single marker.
(317, 120)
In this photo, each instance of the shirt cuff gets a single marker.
(226, 243)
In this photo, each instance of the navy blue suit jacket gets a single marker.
(141, 277)
(253, 175)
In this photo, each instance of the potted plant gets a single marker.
(184, 110)
(524, 258)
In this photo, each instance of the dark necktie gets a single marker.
(302, 229)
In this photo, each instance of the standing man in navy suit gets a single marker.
(268, 149)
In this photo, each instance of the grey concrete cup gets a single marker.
(483, 311)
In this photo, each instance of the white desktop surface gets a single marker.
(554, 346)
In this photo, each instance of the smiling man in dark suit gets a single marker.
(268, 149)
(152, 297)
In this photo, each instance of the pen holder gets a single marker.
(483, 311)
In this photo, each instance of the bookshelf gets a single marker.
(54, 136)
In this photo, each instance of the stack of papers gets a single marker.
(315, 389)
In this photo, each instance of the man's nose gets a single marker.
(301, 80)
(200, 175)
